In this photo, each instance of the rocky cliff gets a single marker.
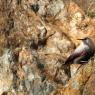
(36, 37)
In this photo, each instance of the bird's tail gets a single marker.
(66, 68)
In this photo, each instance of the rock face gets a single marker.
(89, 87)
(36, 37)
(6, 76)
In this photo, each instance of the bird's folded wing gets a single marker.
(74, 55)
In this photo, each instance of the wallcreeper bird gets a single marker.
(80, 55)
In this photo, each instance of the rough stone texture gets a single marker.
(89, 88)
(36, 37)
(6, 75)
(55, 7)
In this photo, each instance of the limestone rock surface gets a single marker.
(36, 37)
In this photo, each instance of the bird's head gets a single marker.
(86, 40)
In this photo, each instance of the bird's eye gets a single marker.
(86, 38)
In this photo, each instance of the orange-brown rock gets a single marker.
(89, 88)
(34, 43)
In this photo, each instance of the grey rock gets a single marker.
(55, 7)
(6, 75)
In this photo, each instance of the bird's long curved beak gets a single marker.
(80, 39)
